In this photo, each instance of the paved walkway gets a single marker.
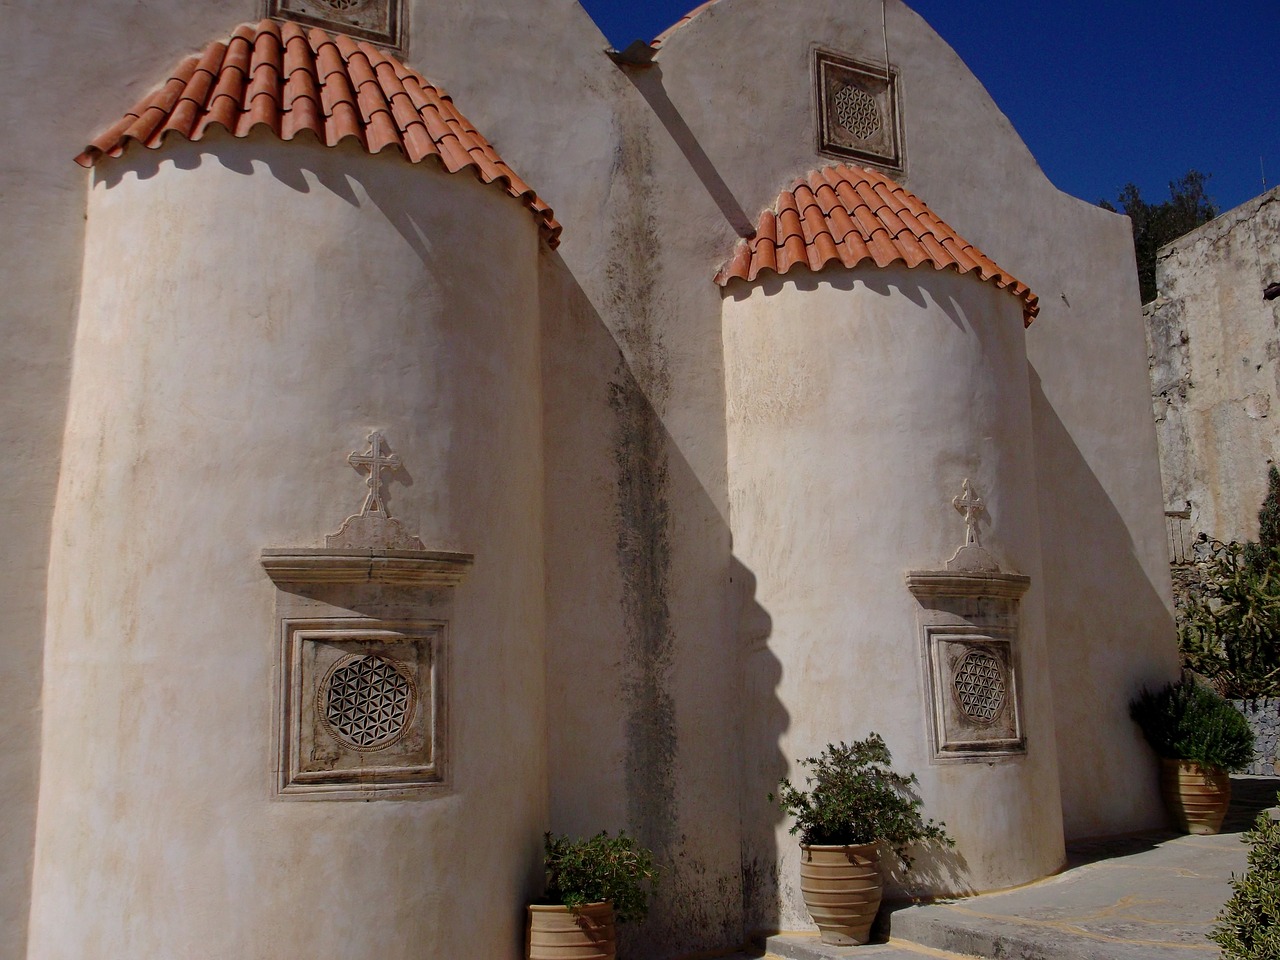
(1148, 897)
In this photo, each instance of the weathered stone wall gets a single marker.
(1213, 346)
(1264, 719)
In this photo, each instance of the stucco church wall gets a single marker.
(66, 70)
(859, 403)
(642, 663)
(1215, 368)
(250, 311)
(1099, 512)
(659, 172)
(655, 173)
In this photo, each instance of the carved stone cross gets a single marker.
(972, 506)
(376, 459)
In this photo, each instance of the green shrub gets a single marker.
(853, 797)
(600, 868)
(1188, 721)
(1229, 621)
(1248, 928)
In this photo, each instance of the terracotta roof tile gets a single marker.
(848, 215)
(291, 81)
(665, 35)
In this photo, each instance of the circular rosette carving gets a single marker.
(366, 702)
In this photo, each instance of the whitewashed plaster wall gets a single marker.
(66, 68)
(1097, 476)
(655, 174)
(250, 311)
(859, 403)
(1215, 367)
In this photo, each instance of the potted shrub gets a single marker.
(852, 806)
(591, 885)
(1200, 738)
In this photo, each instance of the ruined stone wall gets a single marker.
(1214, 356)
(1264, 721)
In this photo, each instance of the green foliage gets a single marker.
(854, 797)
(1188, 721)
(1269, 515)
(1229, 621)
(1155, 224)
(1248, 928)
(600, 868)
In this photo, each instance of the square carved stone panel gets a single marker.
(380, 21)
(859, 115)
(974, 693)
(361, 708)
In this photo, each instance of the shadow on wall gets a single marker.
(764, 721)
(1108, 631)
(882, 282)
(646, 662)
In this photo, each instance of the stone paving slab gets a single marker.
(806, 946)
(1153, 896)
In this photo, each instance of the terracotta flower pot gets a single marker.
(842, 889)
(1197, 796)
(557, 933)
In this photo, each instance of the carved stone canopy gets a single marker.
(370, 546)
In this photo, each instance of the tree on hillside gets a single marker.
(1155, 224)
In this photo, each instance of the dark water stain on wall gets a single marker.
(638, 393)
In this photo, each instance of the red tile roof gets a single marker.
(846, 215)
(290, 80)
(665, 35)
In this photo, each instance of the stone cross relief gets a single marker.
(373, 528)
(377, 460)
(972, 506)
(972, 557)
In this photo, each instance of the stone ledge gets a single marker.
(412, 568)
(954, 583)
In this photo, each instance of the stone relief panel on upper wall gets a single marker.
(379, 21)
(859, 112)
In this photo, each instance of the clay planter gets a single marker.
(1197, 797)
(558, 933)
(842, 889)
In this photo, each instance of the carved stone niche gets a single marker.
(859, 111)
(969, 624)
(380, 21)
(362, 654)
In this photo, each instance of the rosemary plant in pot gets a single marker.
(853, 806)
(591, 885)
(1200, 738)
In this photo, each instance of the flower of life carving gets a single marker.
(341, 4)
(857, 112)
(980, 687)
(367, 703)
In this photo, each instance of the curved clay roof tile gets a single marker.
(665, 35)
(847, 215)
(282, 78)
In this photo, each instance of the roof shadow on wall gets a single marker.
(885, 283)
(243, 156)
(656, 648)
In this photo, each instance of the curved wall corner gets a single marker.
(858, 404)
(251, 312)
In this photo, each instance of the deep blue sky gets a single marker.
(1103, 91)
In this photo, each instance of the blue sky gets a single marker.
(1103, 91)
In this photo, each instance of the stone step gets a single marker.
(800, 946)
